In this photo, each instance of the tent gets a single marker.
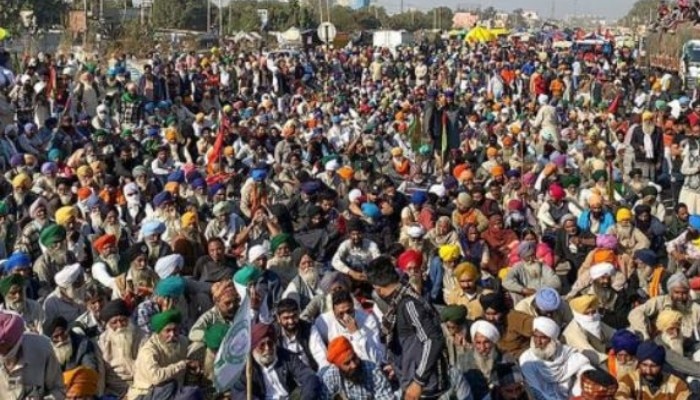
(499, 32)
(479, 34)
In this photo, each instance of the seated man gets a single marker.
(552, 369)
(648, 381)
(668, 326)
(546, 303)
(586, 333)
(623, 352)
(529, 275)
(614, 305)
(72, 350)
(349, 376)
(276, 372)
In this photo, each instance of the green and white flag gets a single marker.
(231, 358)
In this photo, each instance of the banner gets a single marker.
(231, 358)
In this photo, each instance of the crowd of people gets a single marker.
(445, 220)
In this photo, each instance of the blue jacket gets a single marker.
(584, 221)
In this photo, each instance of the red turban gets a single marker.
(260, 332)
(339, 350)
(103, 241)
(556, 192)
(410, 256)
(84, 193)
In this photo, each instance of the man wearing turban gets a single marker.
(270, 360)
(587, 333)
(546, 302)
(479, 363)
(12, 291)
(350, 376)
(226, 302)
(629, 237)
(71, 348)
(167, 295)
(119, 345)
(668, 326)
(614, 305)
(22, 198)
(161, 361)
(678, 299)
(189, 241)
(133, 285)
(281, 246)
(28, 240)
(151, 232)
(40, 370)
(623, 352)
(595, 219)
(552, 369)
(526, 277)
(456, 331)
(467, 290)
(54, 257)
(648, 381)
(647, 143)
(67, 300)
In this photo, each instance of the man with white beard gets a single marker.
(552, 369)
(137, 282)
(479, 363)
(72, 350)
(678, 299)
(166, 212)
(586, 333)
(613, 305)
(22, 198)
(305, 285)
(668, 324)
(529, 275)
(151, 232)
(161, 361)
(623, 352)
(12, 291)
(28, 242)
(67, 299)
(107, 254)
(648, 146)
(281, 260)
(119, 344)
(135, 210)
(226, 302)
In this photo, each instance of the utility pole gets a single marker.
(87, 23)
(221, 20)
(208, 15)
(401, 7)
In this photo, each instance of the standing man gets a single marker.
(411, 327)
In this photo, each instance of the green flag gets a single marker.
(231, 358)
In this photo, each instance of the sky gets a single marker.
(610, 9)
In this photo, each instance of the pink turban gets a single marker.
(606, 242)
(11, 327)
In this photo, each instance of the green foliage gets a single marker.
(180, 14)
(47, 12)
(640, 12)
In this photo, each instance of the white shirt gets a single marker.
(365, 341)
(274, 390)
(293, 345)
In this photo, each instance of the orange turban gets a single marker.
(457, 171)
(345, 172)
(595, 200)
(172, 187)
(84, 193)
(498, 170)
(80, 382)
(339, 350)
(189, 218)
(105, 240)
(604, 255)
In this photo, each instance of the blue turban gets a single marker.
(624, 340)
(310, 187)
(17, 260)
(371, 210)
(649, 350)
(55, 154)
(547, 299)
(419, 197)
(192, 176)
(213, 189)
(258, 174)
(152, 227)
(450, 182)
(694, 222)
(162, 198)
(92, 201)
(513, 173)
(172, 287)
(198, 183)
(177, 176)
(647, 256)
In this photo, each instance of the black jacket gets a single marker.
(303, 335)
(291, 372)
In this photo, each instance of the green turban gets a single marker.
(599, 174)
(165, 318)
(171, 287)
(454, 313)
(3, 208)
(214, 335)
(281, 239)
(570, 180)
(247, 275)
(7, 282)
(52, 234)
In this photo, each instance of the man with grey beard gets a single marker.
(305, 285)
(138, 280)
(612, 305)
(678, 299)
(150, 233)
(647, 144)
(275, 364)
(53, 258)
(552, 369)
(119, 344)
(479, 363)
(28, 242)
(12, 291)
(67, 299)
(668, 324)
(622, 355)
(22, 198)
(525, 277)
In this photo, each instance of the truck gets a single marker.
(391, 39)
(676, 52)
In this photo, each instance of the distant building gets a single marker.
(464, 20)
(531, 16)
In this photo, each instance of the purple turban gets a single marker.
(649, 350)
(606, 242)
(526, 249)
(624, 340)
(547, 299)
(11, 328)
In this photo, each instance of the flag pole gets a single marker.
(249, 376)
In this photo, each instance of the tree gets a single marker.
(640, 11)
(47, 12)
(181, 14)
(516, 19)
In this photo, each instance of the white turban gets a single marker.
(256, 252)
(39, 202)
(438, 190)
(68, 275)
(546, 326)
(542, 99)
(354, 195)
(166, 266)
(332, 165)
(602, 269)
(130, 189)
(415, 231)
(486, 329)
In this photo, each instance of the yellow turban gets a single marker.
(647, 115)
(466, 269)
(400, 116)
(449, 252)
(170, 134)
(199, 117)
(188, 218)
(396, 152)
(668, 319)
(22, 180)
(229, 151)
(584, 303)
(64, 214)
(172, 187)
(595, 200)
(623, 214)
(81, 382)
(83, 171)
(97, 166)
